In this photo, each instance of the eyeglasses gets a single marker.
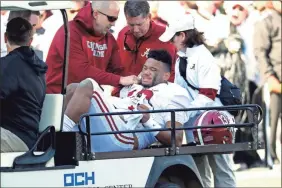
(110, 18)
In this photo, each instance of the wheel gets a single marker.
(178, 176)
(168, 181)
(167, 185)
(171, 181)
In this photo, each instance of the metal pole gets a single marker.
(173, 141)
(66, 52)
(88, 138)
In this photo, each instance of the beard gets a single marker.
(154, 82)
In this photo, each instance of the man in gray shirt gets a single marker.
(267, 49)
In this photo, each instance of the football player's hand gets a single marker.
(146, 116)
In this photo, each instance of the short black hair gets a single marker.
(19, 32)
(162, 56)
(135, 8)
(23, 14)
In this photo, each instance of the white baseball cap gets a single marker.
(183, 23)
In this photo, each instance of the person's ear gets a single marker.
(150, 16)
(30, 41)
(166, 76)
(5, 37)
(95, 14)
(182, 34)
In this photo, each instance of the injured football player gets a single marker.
(154, 93)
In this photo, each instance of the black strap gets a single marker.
(182, 70)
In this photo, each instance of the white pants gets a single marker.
(100, 103)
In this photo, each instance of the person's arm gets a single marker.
(165, 136)
(209, 82)
(79, 65)
(178, 102)
(261, 47)
(8, 79)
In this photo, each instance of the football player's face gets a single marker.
(153, 73)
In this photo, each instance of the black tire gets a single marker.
(176, 182)
(167, 185)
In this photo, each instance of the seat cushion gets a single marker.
(52, 112)
(7, 159)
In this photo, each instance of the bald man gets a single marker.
(93, 50)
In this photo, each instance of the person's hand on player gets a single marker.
(129, 80)
(146, 116)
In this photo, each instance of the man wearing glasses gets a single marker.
(140, 36)
(93, 50)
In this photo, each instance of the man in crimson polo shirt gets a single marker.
(140, 36)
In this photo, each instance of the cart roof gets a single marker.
(35, 5)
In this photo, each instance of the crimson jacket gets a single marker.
(134, 61)
(89, 56)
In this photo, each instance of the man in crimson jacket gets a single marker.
(140, 36)
(93, 53)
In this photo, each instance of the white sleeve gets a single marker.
(208, 73)
(177, 102)
(208, 77)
